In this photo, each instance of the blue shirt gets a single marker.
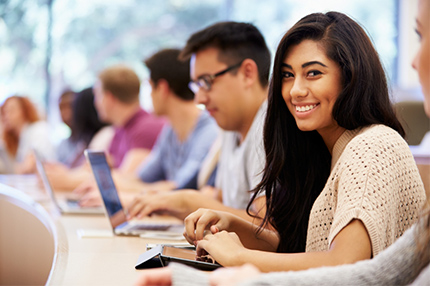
(176, 161)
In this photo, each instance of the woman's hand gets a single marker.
(204, 219)
(224, 247)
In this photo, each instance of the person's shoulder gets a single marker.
(39, 126)
(377, 139)
(378, 135)
(150, 120)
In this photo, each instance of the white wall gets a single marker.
(408, 83)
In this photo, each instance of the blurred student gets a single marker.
(23, 132)
(184, 143)
(406, 262)
(65, 103)
(87, 131)
(230, 65)
(116, 99)
(175, 160)
(117, 102)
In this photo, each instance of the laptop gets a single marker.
(113, 208)
(65, 206)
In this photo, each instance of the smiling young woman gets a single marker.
(340, 182)
(310, 86)
(404, 262)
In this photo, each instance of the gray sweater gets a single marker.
(396, 265)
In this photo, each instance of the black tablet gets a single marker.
(162, 255)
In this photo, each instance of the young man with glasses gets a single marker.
(230, 65)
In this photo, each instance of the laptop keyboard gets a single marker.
(73, 203)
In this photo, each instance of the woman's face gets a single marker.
(311, 83)
(422, 59)
(12, 115)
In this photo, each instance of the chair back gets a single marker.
(414, 120)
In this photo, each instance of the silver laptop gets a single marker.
(113, 207)
(65, 206)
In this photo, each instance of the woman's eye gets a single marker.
(314, 73)
(419, 34)
(287, 74)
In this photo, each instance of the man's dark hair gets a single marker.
(166, 65)
(235, 42)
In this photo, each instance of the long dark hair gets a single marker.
(297, 162)
(86, 122)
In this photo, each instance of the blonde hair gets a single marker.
(122, 82)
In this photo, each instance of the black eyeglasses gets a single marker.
(205, 81)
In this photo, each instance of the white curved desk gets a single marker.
(88, 261)
(28, 240)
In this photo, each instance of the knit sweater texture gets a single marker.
(374, 179)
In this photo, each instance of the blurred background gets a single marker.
(49, 45)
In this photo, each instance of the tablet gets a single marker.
(162, 255)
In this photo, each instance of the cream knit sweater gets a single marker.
(373, 178)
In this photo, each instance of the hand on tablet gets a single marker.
(205, 219)
(225, 247)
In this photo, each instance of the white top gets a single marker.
(240, 165)
(35, 136)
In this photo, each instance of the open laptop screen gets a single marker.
(103, 177)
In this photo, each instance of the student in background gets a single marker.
(67, 148)
(406, 262)
(23, 131)
(175, 160)
(183, 144)
(65, 103)
(116, 98)
(117, 101)
(230, 65)
(87, 131)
